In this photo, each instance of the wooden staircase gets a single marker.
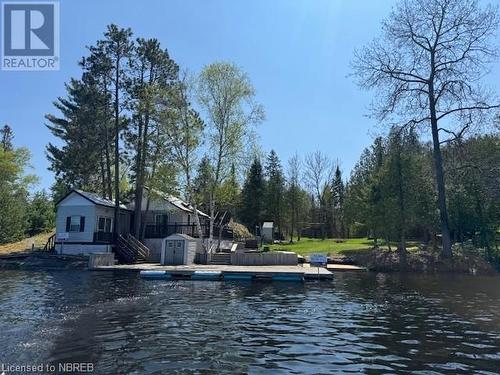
(129, 249)
(220, 258)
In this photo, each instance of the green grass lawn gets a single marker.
(330, 246)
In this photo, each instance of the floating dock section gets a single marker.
(206, 275)
(221, 275)
(224, 272)
(157, 275)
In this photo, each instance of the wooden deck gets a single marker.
(309, 273)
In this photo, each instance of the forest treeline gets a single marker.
(390, 195)
(23, 214)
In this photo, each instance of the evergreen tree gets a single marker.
(474, 172)
(6, 138)
(79, 163)
(363, 206)
(252, 197)
(357, 197)
(275, 191)
(328, 211)
(406, 187)
(41, 214)
(295, 197)
(202, 184)
(14, 185)
(58, 190)
(338, 197)
(390, 192)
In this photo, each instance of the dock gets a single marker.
(345, 267)
(252, 272)
(234, 272)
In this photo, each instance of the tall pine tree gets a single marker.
(275, 191)
(81, 161)
(252, 197)
(7, 135)
(338, 197)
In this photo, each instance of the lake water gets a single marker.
(360, 322)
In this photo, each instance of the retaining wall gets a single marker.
(271, 258)
(102, 259)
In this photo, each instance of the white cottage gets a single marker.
(84, 223)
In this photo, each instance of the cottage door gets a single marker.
(161, 221)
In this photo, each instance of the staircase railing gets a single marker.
(142, 249)
(130, 250)
(123, 251)
(50, 245)
(212, 248)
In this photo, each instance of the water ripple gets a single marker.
(359, 323)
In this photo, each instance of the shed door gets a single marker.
(169, 253)
(178, 252)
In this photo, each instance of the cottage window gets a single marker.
(75, 223)
(104, 224)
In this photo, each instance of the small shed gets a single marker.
(267, 231)
(178, 249)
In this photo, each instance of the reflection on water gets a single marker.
(360, 322)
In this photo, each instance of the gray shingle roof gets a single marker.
(177, 202)
(96, 199)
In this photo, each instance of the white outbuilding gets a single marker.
(178, 249)
(267, 232)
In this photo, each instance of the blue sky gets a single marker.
(296, 53)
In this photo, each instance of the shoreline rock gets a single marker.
(42, 261)
(374, 260)
(418, 262)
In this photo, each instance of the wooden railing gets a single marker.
(51, 243)
(124, 252)
(142, 250)
(130, 250)
(162, 231)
